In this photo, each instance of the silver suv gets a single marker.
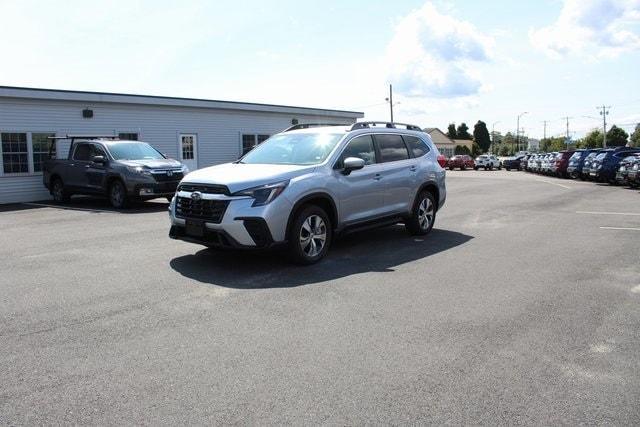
(311, 183)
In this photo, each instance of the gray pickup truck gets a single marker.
(121, 170)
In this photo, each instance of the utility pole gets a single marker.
(545, 128)
(566, 141)
(604, 111)
(493, 136)
(518, 129)
(391, 101)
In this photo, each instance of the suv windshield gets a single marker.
(133, 151)
(293, 149)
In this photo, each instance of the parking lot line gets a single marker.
(608, 213)
(621, 228)
(554, 183)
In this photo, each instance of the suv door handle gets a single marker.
(413, 168)
(377, 177)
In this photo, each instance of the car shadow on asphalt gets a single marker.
(93, 204)
(379, 250)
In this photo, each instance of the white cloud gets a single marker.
(434, 55)
(592, 28)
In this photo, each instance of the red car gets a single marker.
(561, 162)
(461, 161)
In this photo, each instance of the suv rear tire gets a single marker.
(310, 235)
(423, 216)
(118, 195)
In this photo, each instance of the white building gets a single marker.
(198, 132)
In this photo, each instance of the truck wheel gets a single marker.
(118, 195)
(475, 168)
(310, 235)
(59, 193)
(423, 216)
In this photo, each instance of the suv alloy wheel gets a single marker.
(423, 216)
(310, 235)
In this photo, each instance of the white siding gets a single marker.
(218, 130)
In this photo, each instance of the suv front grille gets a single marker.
(208, 210)
(204, 188)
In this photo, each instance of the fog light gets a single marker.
(145, 191)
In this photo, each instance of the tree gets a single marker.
(476, 150)
(463, 132)
(461, 149)
(616, 137)
(635, 137)
(504, 150)
(481, 136)
(591, 140)
(451, 131)
(558, 143)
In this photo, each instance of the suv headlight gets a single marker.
(184, 169)
(264, 194)
(139, 169)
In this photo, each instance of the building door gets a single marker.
(189, 150)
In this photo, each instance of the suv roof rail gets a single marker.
(390, 125)
(311, 125)
(73, 137)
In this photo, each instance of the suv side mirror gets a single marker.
(99, 159)
(351, 164)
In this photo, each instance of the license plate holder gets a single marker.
(194, 228)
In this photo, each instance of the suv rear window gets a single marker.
(416, 145)
(391, 148)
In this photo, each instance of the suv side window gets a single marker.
(361, 147)
(416, 145)
(391, 147)
(82, 152)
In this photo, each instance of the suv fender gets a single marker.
(325, 200)
(431, 187)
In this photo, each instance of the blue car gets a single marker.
(575, 169)
(606, 163)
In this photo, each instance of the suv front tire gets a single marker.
(310, 235)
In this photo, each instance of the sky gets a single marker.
(448, 61)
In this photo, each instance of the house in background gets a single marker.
(445, 145)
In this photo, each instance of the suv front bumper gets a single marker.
(241, 225)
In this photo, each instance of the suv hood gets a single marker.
(152, 163)
(240, 176)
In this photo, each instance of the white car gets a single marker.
(488, 162)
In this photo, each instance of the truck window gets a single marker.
(82, 152)
(96, 150)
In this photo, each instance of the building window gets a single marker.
(128, 136)
(41, 144)
(250, 141)
(187, 147)
(15, 154)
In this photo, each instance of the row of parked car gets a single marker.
(619, 165)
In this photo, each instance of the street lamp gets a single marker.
(518, 129)
(493, 136)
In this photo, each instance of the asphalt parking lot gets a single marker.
(522, 306)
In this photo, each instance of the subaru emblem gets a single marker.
(196, 195)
